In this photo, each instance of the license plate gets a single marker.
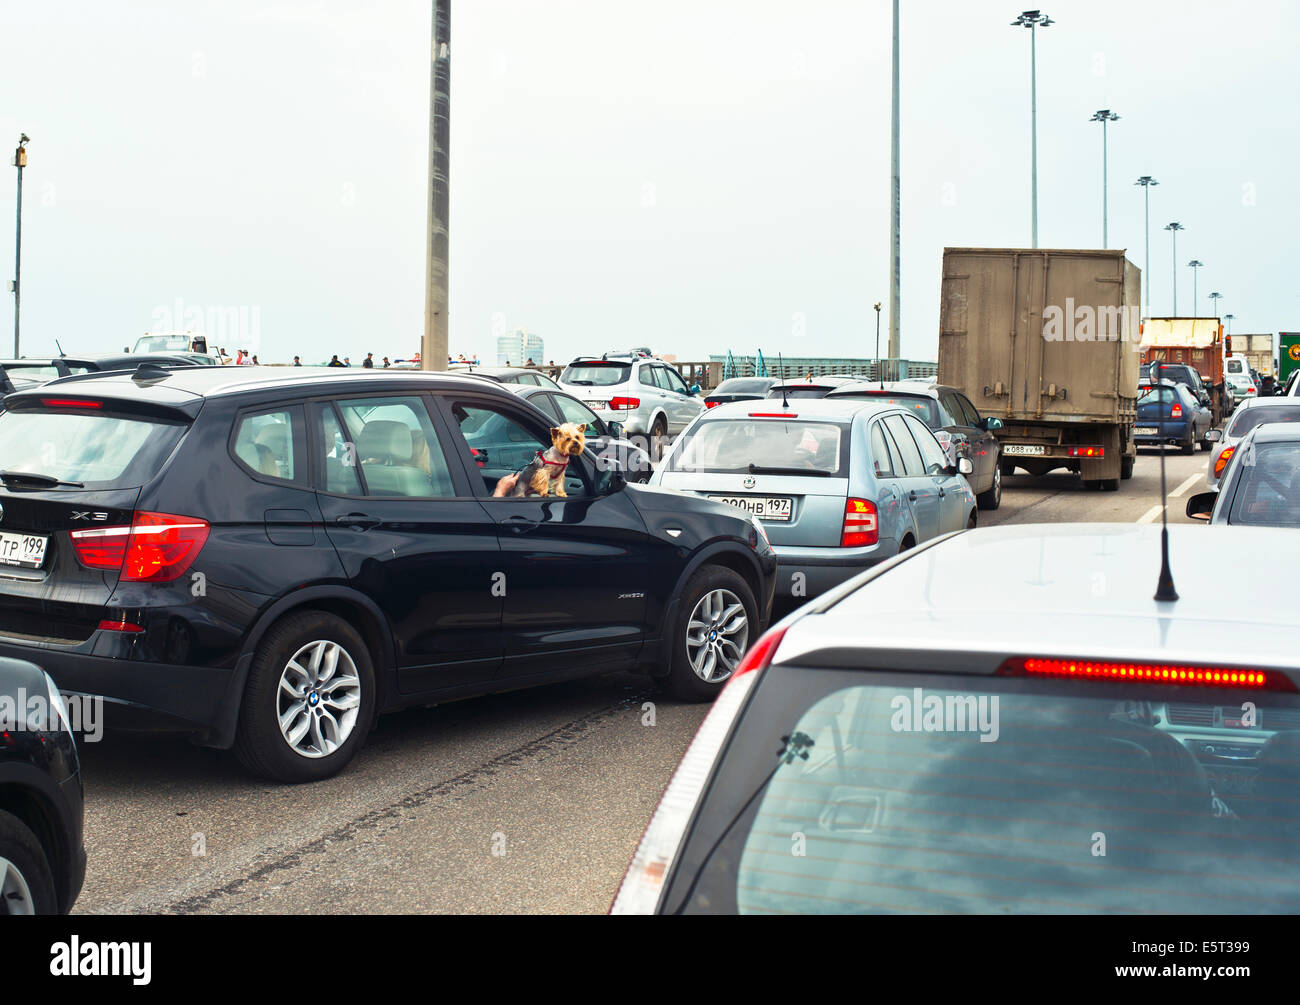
(1021, 449)
(1145, 431)
(27, 550)
(776, 508)
(598, 405)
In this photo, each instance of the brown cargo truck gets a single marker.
(1195, 342)
(1047, 341)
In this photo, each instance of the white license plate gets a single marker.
(776, 508)
(27, 550)
(1145, 431)
(598, 406)
(1021, 449)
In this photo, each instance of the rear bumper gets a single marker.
(808, 572)
(1166, 432)
(143, 695)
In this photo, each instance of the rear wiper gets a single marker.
(581, 383)
(758, 469)
(34, 479)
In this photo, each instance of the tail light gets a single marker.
(480, 456)
(1223, 460)
(1148, 673)
(624, 404)
(774, 415)
(71, 403)
(761, 652)
(156, 548)
(1176, 412)
(861, 527)
(708, 403)
(1087, 451)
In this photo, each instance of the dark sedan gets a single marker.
(1169, 413)
(739, 389)
(955, 422)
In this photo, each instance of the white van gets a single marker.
(1236, 374)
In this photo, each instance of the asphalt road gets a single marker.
(526, 802)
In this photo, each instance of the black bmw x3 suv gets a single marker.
(269, 560)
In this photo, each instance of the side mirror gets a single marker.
(612, 480)
(965, 467)
(1201, 505)
(614, 429)
(1214, 435)
(992, 422)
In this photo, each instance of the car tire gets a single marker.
(1007, 467)
(315, 743)
(992, 498)
(26, 882)
(1126, 467)
(971, 521)
(658, 433)
(711, 593)
(1190, 446)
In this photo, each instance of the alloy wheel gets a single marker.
(15, 895)
(717, 634)
(319, 699)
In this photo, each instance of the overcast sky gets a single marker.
(694, 176)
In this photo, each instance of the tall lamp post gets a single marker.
(1104, 116)
(1228, 318)
(20, 162)
(1033, 20)
(895, 249)
(1216, 297)
(1174, 228)
(1146, 181)
(1194, 264)
(433, 345)
(880, 373)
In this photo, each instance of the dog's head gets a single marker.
(569, 439)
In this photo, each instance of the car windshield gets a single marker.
(600, 374)
(1247, 419)
(939, 794)
(732, 445)
(1268, 492)
(98, 451)
(1151, 395)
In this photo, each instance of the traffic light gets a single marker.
(1227, 345)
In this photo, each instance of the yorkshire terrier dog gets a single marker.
(546, 472)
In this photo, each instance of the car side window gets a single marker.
(395, 449)
(572, 410)
(972, 414)
(338, 469)
(264, 442)
(880, 452)
(502, 445)
(646, 375)
(908, 452)
(936, 463)
(674, 379)
(948, 404)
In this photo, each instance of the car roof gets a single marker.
(914, 388)
(216, 381)
(1274, 432)
(1058, 590)
(804, 408)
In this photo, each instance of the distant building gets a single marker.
(793, 367)
(519, 347)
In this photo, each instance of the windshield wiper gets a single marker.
(758, 469)
(582, 383)
(34, 479)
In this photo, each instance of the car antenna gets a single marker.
(784, 402)
(60, 348)
(1165, 591)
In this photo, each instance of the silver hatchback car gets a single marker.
(646, 395)
(839, 484)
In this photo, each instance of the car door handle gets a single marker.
(912, 494)
(519, 524)
(358, 521)
(941, 492)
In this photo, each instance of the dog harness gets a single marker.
(541, 456)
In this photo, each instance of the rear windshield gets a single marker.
(1248, 418)
(941, 794)
(800, 391)
(596, 374)
(743, 385)
(98, 451)
(732, 445)
(1268, 494)
(1151, 395)
(924, 408)
(1236, 366)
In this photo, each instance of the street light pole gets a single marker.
(1228, 318)
(1146, 181)
(20, 162)
(880, 373)
(895, 249)
(1174, 228)
(433, 346)
(1194, 264)
(1104, 116)
(1215, 297)
(1033, 20)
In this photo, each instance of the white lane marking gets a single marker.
(1191, 480)
(1150, 516)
